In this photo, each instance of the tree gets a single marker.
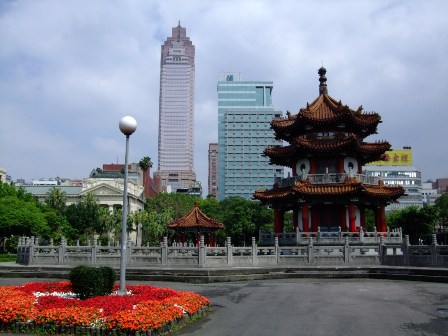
(20, 217)
(144, 164)
(236, 214)
(84, 217)
(370, 220)
(442, 206)
(154, 224)
(110, 222)
(210, 206)
(263, 217)
(180, 203)
(56, 199)
(414, 221)
(58, 224)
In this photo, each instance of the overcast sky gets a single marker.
(69, 70)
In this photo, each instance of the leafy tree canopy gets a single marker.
(21, 217)
(56, 199)
(442, 205)
(414, 221)
(84, 217)
(180, 203)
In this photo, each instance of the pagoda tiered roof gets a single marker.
(350, 145)
(196, 219)
(350, 188)
(325, 114)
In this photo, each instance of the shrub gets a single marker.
(89, 282)
(108, 279)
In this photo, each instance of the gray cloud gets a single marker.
(71, 69)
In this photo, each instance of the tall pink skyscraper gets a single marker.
(176, 111)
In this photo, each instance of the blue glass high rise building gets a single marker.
(244, 114)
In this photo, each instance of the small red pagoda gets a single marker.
(196, 223)
(326, 153)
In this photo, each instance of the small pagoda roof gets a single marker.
(326, 113)
(351, 187)
(196, 219)
(302, 146)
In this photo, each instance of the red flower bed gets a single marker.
(52, 303)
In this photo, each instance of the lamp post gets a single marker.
(127, 126)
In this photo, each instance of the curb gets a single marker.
(231, 274)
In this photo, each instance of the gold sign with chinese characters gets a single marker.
(395, 157)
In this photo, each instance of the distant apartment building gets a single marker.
(135, 173)
(3, 176)
(176, 112)
(397, 169)
(213, 169)
(429, 193)
(245, 111)
(442, 185)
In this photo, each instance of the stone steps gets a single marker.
(230, 274)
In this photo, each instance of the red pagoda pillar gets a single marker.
(198, 238)
(305, 219)
(343, 218)
(183, 237)
(381, 218)
(352, 216)
(314, 219)
(278, 220)
(340, 163)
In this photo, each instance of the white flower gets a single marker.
(181, 308)
(66, 295)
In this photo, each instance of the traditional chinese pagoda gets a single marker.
(326, 153)
(196, 223)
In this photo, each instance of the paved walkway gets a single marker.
(315, 307)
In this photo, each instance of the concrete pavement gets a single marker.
(315, 307)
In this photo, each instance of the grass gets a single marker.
(6, 257)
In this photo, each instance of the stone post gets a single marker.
(94, 249)
(254, 252)
(318, 234)
(201, 252)
(164, 248)
(130, 249)
(434, 250)
(277, 250)
(361, 234)
(61, 253)
(229, 251)
(311, 251)
(30, 248)
(346, 251)
(405, 250)
(382, 250)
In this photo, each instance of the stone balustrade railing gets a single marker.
(324, 237)
(187, 255)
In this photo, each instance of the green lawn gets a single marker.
(4, 257)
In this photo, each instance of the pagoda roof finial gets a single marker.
(323, 81)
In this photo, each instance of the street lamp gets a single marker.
(127, 126)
